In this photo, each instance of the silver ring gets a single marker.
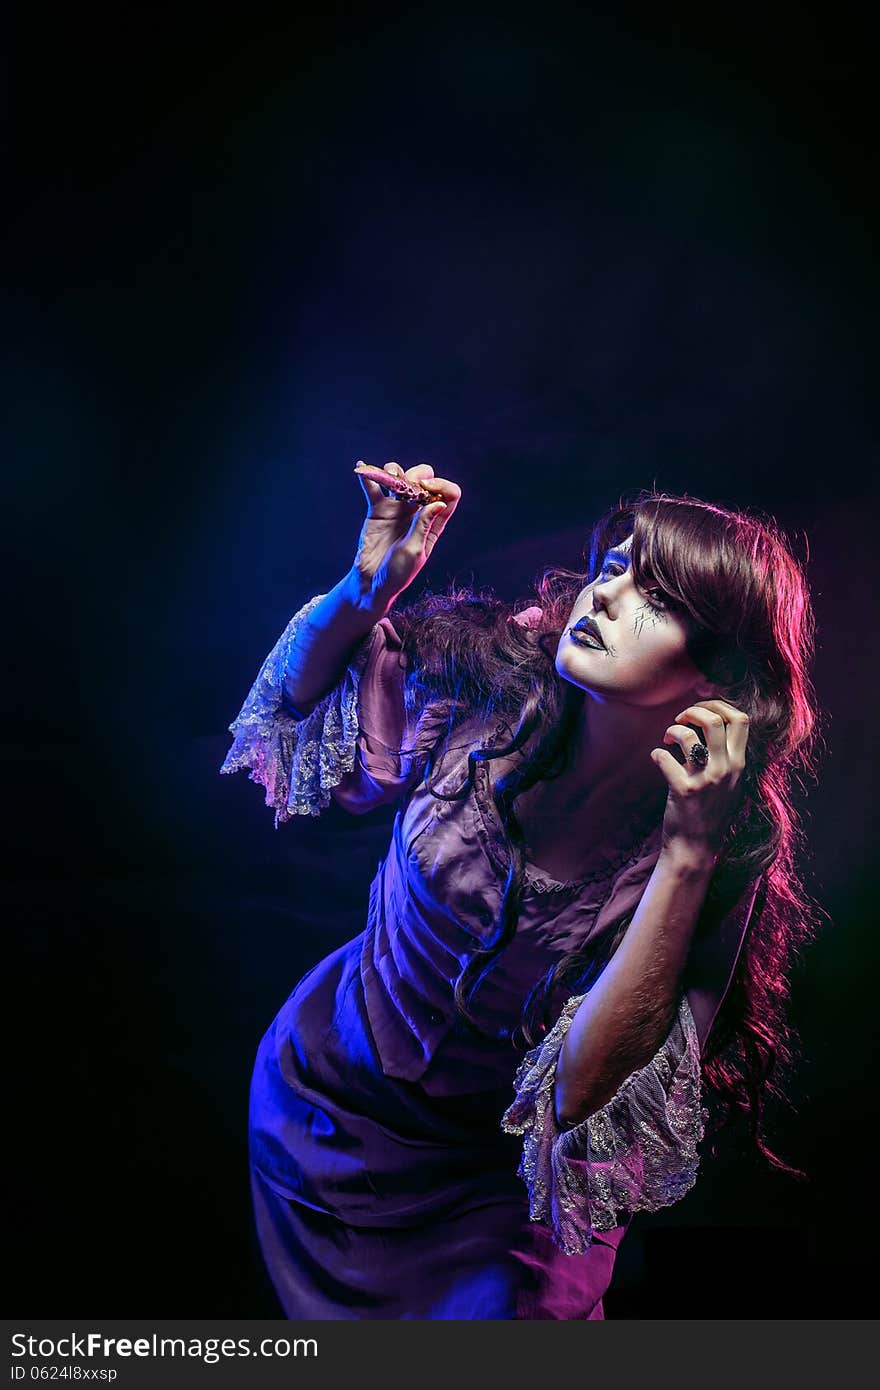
(698, 754)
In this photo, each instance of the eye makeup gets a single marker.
(653, 609)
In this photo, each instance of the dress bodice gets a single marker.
(437, 896)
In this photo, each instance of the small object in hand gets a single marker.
(400, 488)
(698, 754)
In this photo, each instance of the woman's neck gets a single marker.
(611, 753)
(609, 796)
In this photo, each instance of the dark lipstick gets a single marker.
(589, 626)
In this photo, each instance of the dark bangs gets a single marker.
(697, 556)
(703, 562)
(655, 558)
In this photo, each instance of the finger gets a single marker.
(441, 488)
(393, 484)
(372, 490)
(448, 492)
(712, 723)
(419, 471)
(674, 773)
(427, 524)
(397, 471)
(686, 739)
(737, 731)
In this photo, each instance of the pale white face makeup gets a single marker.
(644, 660)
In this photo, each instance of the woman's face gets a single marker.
(644, 660)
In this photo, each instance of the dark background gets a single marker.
(560, 254)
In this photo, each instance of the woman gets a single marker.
(456, 1114)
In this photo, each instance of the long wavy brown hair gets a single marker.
(734, 580)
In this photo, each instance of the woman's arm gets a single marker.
(325, 641)
(628, 1012)
(630, 1009)
(395, 543)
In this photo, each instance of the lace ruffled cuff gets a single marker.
(638, 1153)
(298, 760)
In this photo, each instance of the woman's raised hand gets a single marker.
(704, 793)
(397, 537)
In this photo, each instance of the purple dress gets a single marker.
(401, 1169)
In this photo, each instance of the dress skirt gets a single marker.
(374, 1199)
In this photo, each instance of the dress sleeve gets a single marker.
(344, 746)
(638, 1153)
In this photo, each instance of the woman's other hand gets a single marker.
(703, 800)
(397, 538)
